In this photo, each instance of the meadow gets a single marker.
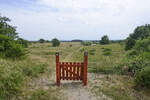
(33, 77)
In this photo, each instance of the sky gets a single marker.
(76, 19)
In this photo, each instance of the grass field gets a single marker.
(37, 74)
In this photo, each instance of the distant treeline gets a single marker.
(94, 41)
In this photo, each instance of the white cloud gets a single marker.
(84, 19)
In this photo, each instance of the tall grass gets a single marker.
(102, 58)
(13, 74)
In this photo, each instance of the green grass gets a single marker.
(20, 79)
(98, 62)
(13, 73)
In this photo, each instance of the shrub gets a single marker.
(11, 80)
(92, 51)
(13, 73)
(131, 66)
(141, 48)
(23, 42)
(104, 40)
(82, 50)
(55, 42)
(41, 40)
(142, 78)
(14, 50)
(9, 47)
(107, 51)
(142, 45)
(141, 32)
(129, 44)
(86, 43)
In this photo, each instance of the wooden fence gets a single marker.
(71, 70)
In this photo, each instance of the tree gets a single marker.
(141, 32)
(130, 42)
(55, 42)
(41, 40)
(6, 29)
(104, 40)
(9, 45)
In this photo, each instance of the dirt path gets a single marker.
(75, 90)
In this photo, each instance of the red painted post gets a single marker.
(57, 69)
(85, 68)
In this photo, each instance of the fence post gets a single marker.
(57, 69)
(85, 68)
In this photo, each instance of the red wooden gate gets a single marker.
(71, 70)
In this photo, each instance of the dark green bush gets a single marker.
(107, 52)
(9, 47)
(142, 78)
(104, 40)
(86, 43)
(55, 42)
(92, 51)
(129, 43)
(41, 40)
(106, 49)
(141, 32)
(133, 65)
(23, 42)
(14, 50)
(142, 45)
(82, 50)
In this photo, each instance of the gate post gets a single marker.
(57, 69)
(85, 68)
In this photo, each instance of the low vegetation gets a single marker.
(14, 73)
(123, 67)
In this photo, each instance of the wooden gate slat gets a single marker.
(81, 72)
(60, 69)
(71, 70)
(66, 70)
(78, 71)
(69, 74)
(74, 70)
(63, 73)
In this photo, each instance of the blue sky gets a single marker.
(76, 19)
